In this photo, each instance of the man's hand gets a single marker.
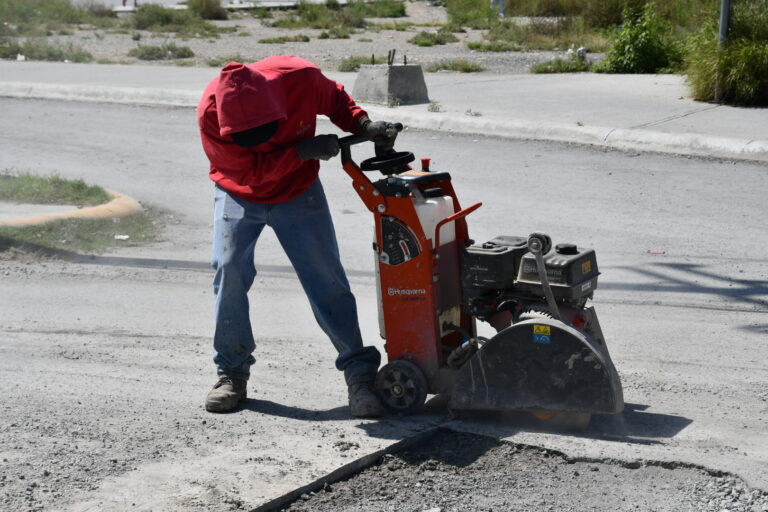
(382, 133)
(320, 147)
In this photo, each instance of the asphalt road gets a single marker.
(105, 363)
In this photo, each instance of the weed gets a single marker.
(460, 65)
(42, 49)
(321, 16)
(494, 46)
(472, 113)
(353, 63)
(207, 9)
(301, 38)
(471, 13)
(393, 101)
(41, 17)
(364, 40)
(29, 188)
(81, 235)
(560, 65)
(335, 33)
(392, 25)
(157, 18)
(740, 67)
(244, 34)
(642, 45)
(136, 36)
(434, 107)
(379, 8)
(433, 38)
(261, 13)
(544, 35)
(163, 52)
(218, 62)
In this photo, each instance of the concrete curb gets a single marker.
(617, 138)
(100, 94)
(120, 206)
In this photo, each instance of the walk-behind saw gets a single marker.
(548, 357)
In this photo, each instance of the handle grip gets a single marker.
(350, 140)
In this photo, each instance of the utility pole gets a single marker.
(725, 23)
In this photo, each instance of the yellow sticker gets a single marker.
(586, 267)
(542, 329)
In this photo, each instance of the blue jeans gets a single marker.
(305, 230)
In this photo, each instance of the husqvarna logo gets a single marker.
(406, 291)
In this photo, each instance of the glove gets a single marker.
(382, 133)
(320, 147)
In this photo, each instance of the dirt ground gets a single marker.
(463, 472)
(326, 53)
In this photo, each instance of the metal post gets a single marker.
(725, 23)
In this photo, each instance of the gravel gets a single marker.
(327, 53)
(464, 472)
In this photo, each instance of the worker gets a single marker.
(257, 124)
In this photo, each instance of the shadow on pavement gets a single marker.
(690, 278)
(297, 413)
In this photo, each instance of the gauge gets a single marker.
(398, 242)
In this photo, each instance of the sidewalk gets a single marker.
(632, 112)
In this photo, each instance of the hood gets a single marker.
(246, 98)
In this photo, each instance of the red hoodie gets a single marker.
(290, 90)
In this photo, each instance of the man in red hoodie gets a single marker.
(257, 124)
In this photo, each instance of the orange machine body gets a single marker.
(420, 292)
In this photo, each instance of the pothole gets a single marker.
(452, 471)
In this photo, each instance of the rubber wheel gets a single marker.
(564, 420)
(402, 387)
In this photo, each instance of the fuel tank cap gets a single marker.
(566, 249)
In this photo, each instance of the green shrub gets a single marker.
(41, 17)
(208, 9)
(29, 188)
(322, 16)
(494, 46)
(9, 48)
(218, 62)
(560, 65)
(642, 45)
(336, 33)
(471, 13)
(42, 49)
(378, 8)
(546, 34)
(460, 65)
(163, 52)
(162, 19)
(301, 38)
(433, 38)
(353, 63)
(740, 66)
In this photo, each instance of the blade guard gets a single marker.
(539, 364)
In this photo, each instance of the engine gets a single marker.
(502, 275)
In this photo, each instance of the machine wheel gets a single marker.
(564, 420)
(402, 386)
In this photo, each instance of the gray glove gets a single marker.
(320, 147)
(382, 133)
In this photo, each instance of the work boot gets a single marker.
(226, 394)
(363, 401)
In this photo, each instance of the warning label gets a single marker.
(542, 329)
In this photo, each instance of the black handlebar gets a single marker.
(350, 140)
